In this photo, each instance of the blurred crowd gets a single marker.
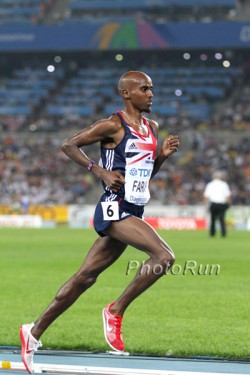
(38, 11)
(43, 10)
(34, 171)
(183, 178)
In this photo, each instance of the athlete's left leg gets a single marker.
(137, 233)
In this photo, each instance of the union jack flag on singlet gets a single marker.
(134, 157)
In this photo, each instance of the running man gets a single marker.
(128, 161)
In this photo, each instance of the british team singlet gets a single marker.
(134, 157)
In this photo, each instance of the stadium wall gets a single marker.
(160, 217)
(129, 35)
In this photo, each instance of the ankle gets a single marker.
(34, 334)
(114, 309)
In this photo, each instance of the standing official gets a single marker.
(217, 193)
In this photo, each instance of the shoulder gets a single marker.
(115, 121)
(109, 126)
(154, 125)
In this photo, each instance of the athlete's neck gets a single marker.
(138, 122)
(139, 126)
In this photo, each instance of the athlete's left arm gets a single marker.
(169, 146)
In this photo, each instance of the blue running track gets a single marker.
(70, 362)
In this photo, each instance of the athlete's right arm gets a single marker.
(101, 130)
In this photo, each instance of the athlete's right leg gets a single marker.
(102, 254)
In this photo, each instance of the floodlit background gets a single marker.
(60, 61)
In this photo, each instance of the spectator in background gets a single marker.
(217, 193)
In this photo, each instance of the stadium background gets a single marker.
(59, 65)
(60, 61)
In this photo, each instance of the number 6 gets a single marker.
(110, 212)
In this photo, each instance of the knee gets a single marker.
(171, 260)
(169, 256)
(167, 260)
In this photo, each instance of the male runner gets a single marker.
(128, 161)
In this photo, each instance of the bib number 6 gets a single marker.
(110, 210)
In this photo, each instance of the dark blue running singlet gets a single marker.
(134, 157)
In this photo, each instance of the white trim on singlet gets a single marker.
(110, 154)
(111, 197)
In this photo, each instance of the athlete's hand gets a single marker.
(170, 145)
(113, 180)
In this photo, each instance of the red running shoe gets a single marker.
(113, 329)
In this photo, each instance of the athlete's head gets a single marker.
(136, 87)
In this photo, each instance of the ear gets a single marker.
(125, 93)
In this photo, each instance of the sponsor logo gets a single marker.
(124, 214)
(132, 146)
(133, 172)
(138, 200)
(108, 327)
(144, 172)
(28, 351)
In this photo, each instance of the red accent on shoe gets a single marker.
(113, 329)
(24, 345)
(29, 346)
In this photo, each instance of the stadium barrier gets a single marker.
(81, 216)
(181, 223)
(21, 221)
(49, 214)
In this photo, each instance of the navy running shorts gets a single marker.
(113, 208)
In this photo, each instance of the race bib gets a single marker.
(110, 210)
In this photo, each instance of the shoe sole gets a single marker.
(104, 324)
(23, 350)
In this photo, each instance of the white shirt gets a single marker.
(217, 191)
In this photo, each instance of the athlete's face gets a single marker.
(140, 93)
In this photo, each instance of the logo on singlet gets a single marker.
(133, 172)
(132, 146)
(124, 214)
